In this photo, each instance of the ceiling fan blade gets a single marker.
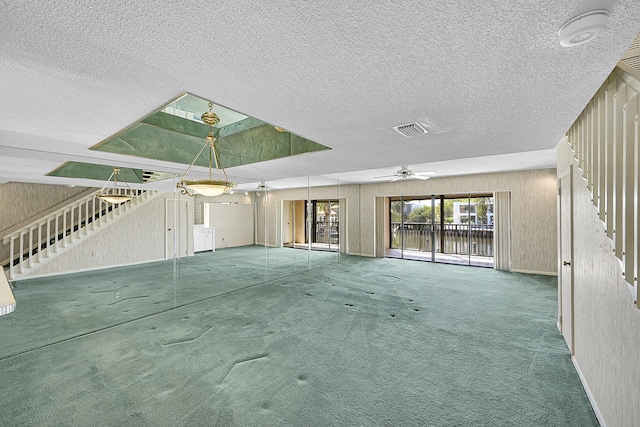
(396, 179)
(384, 176)
(424, 178)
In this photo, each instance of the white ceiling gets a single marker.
(489, 79)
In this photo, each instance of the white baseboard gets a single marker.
(544, 273)
(587, 390)
(60, 273)
(359, 254)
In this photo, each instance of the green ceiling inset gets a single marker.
(176, 134)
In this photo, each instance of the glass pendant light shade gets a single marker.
(115, 195)
(209, 188)
(116, 199)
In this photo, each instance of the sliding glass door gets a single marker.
(451, 229)
(325, 224)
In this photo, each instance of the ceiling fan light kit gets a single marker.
(405, 173)
(264, 187)
(583, 28)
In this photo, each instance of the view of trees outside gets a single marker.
(483, 209)
(480, 211)
(419, 211)
(327, 211)
(466, 227)
(326, 221)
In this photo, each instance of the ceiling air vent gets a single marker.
(410, 130)
(631, 58)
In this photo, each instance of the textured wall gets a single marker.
(136, 237)
(534, 201)
(348, 193)
(606, 322)
(199, 201)
(20, 202)
(233, 223)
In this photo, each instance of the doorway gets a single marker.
(311, 224)
(325, 225)
(453, 229)
(293, 224)
(177, 229)
(565, 282)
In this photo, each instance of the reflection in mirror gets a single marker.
(323, 220)
(252, 242)
(177, 250)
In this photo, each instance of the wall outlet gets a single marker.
(93, 253)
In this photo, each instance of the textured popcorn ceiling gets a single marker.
(489, 79)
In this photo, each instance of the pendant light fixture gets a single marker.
(207, 187)
(115, 195)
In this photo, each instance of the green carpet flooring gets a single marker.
(250, 337)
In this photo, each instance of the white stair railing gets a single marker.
(605, 142)
(50, 234)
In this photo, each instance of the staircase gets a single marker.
(39, 240)
(605, 142)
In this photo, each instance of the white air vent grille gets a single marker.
(630, 61)
(411, 129)
(633, 62)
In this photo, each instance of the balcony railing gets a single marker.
(327, 232)
(459, 239)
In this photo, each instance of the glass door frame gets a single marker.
(440, 231)
(311, 212)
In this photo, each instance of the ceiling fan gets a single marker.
(263, 186)
(405, 173)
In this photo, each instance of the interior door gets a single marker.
(287, 223)
(177, 229)
(565, 285)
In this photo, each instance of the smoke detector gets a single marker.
(583, 28)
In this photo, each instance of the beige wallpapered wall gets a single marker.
(136, 237)
(606, 323)
(347, 193)
(534, 217)
(534, 200)
(21, 201)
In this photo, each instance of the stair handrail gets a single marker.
(29, 244)
(604, 142)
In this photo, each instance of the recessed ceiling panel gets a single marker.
(176, 134)
(103, 172)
